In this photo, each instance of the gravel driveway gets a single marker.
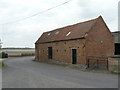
(25, 73)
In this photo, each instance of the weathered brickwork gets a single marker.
(114, 62)
(62, 51)
(98, 42)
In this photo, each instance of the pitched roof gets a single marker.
(66, 33)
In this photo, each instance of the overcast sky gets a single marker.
(26, 32)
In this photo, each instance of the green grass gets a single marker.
(115, 72)
(1, 64)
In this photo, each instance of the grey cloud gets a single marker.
(25, 33)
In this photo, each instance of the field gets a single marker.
(19, 52)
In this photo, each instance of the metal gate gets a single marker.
(98, 62)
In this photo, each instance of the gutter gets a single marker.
(60, 40)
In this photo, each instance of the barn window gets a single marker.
(57, 32)
(68, 34)
(49, 34)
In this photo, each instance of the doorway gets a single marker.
(117, 48)
(49, 52)
(74, 56)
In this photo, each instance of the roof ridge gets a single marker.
(92, 25)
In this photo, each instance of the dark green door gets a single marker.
(74, 56)
(50, 52)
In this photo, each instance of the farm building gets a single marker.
(75, 43)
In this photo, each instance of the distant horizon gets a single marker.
(28, 46)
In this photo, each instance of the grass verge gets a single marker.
(115, 72)
(2, 64)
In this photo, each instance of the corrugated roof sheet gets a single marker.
(77, 31)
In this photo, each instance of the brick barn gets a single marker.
(75, 43)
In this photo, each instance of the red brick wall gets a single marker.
(64, 52)
(36, 49)
(100, 41)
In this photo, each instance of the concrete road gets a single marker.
(25, 73)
